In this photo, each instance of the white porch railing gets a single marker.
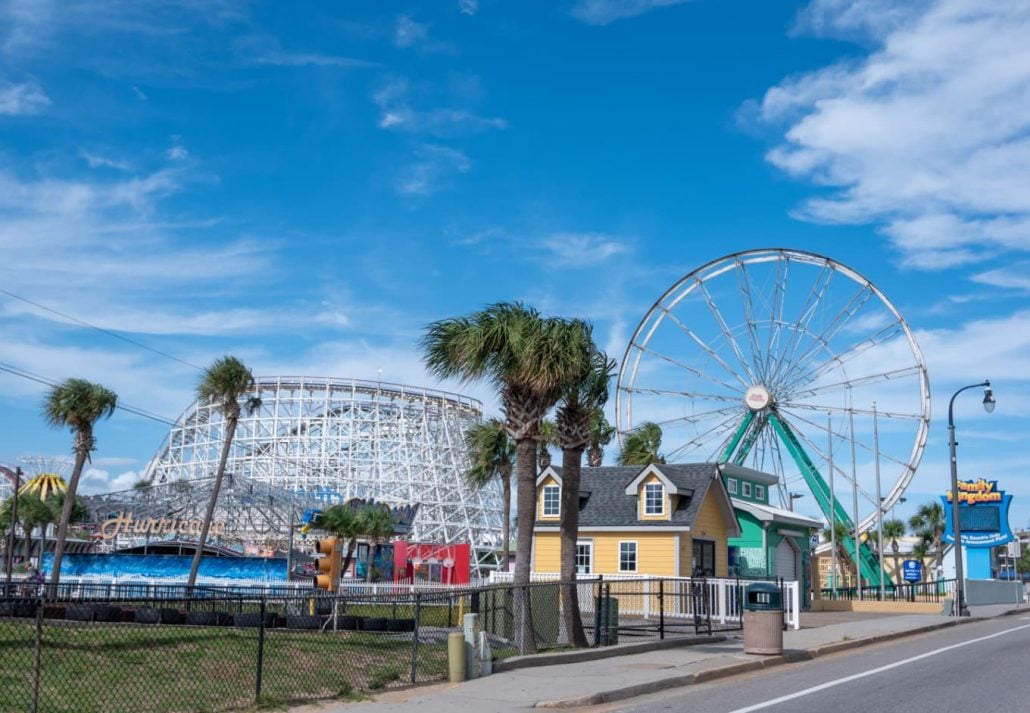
(643, 596)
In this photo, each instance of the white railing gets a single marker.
(640, 595)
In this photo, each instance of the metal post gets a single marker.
(879, 504)
(854, 500)
(414, 637)
(289, 550)
(260, 651)
(833, 502)
(9, 561)
(661, 609)
(37, 654)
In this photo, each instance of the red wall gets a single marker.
(424, 561)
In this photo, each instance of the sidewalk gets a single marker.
(621, 677)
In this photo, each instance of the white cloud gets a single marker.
(408, 32)
(98, 480)
(1013, 276)
(431, 170)
(603, 12)
(22, 99)
(468, 7)
(393, 99)
(926, 136)
(580, 250)
(94, 160)
(177, 153)
(311, 59)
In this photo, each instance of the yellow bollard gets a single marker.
(456, 657)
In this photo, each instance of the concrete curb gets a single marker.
(735, 669)
(606, 652)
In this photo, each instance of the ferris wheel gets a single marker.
(790, 363)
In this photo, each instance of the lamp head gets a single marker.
(989, 402)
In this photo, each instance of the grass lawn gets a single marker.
(107, 668)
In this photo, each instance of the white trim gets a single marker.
(627, 528)
(767, 513)
(636, 557)
(791, 533)
(745, 489)
(679, 544)
(543, 501)
(740, 471)
(661, 500)
(731, 485)
(760, 492)
(652, 469)
(549, 471)
(590, 564)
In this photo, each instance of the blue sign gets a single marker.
(912, 571)
(983, 514)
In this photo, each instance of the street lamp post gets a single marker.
(791, 497)
(956, 528)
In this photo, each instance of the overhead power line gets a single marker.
(108, 332)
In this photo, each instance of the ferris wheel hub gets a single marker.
(758, 398)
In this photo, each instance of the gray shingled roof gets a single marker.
(603, 501)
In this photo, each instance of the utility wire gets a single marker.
(49, 382)
(108, 332)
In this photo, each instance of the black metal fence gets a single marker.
(917, 592)
(119, 647)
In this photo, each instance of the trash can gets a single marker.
(606, 621)
(763, 619)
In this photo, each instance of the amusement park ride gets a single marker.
(790, 363)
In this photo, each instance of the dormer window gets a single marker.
(731, 486)
(552, 501)
(654, 499)
(759, 492)
(745, 488)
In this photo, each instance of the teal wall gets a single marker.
(754, 560)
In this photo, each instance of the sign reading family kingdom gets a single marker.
(983, 514)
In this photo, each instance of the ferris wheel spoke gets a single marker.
(837, 323)
(828, 408)
(702, 416)
(750, 320)
(702, 438)
(808, 311)
(683, 394)
(685, 367)
(730, 339)
(858, 444)
(855, 382)
(779, 300)
(706, 347)
(847, 355)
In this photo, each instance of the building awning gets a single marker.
(779, 516)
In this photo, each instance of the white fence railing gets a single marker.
(643, 596)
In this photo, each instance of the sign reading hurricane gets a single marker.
(757, 398)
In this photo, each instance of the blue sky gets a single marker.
(306, 186)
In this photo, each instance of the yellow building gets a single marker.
(655, 521)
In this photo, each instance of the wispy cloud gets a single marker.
(397, 114)
(22, 99)
(1013, 276)
(311, 59)
(432, 170)
(95, 160)
(468, 7)
(408, 32)
(603, 12)
(926, 136)
(564, 251)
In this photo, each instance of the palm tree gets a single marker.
(892, 530)
(77, 404)
(576, 410)
(491, 453)
(928, 525)
(601, 434)
(548, 438)
(640, 447)
(32, 513)
(842, 534)
(920, 551)
(376, 524)
(224, 383)
(351, 523)
(530, 359)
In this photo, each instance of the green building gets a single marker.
(773, 542)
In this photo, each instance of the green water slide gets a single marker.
(740, 445)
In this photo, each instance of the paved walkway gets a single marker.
(621, 677)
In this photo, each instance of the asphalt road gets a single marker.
(973, 668)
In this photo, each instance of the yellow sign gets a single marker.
(125, 524)
(977, 491)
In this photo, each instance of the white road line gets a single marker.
(872, 672)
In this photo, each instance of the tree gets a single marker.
(530, 359)
(376, 524)
(224, 384)
(1023, 563)
(32, 513)
(920, 551)
(640, 446)
(77, 404)
(928, 525)
(601, 434)
(350, 522)
(892, 530)
(491, 452)
(576, 409)
(548, 438)
(842, 535)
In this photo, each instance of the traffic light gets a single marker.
(328, 564)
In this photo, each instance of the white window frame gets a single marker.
(545, 512)
(661, 498)
(589, 544)
(745, 488)
(636, 555)
(760, 492)
(731, 486)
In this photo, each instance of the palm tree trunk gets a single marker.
(506, 519)
(83, 439)
(594, 456)
(230, 429)
(352, 544)
(572, 459)
(525, 469)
